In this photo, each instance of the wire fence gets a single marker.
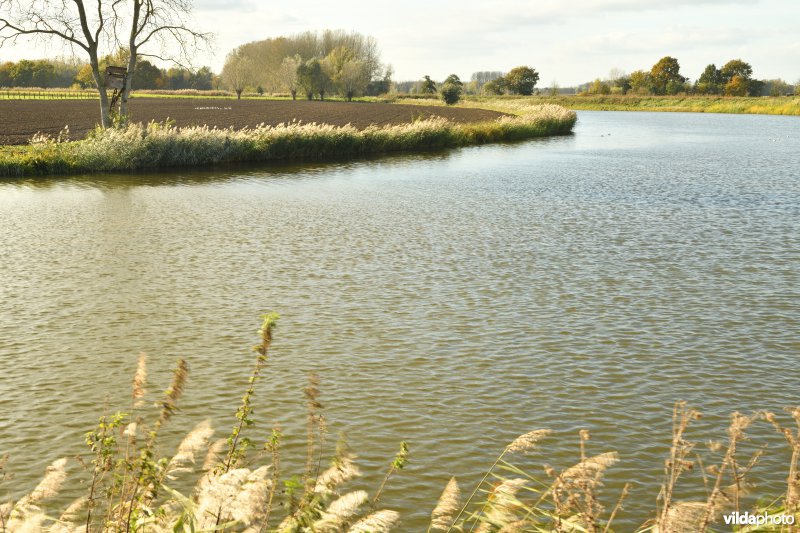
(47, 95)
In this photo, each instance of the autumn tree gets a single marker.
(640, 81)
(736, 76)
(522, 80)
(666, 73)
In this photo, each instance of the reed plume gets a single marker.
(444, 513)
(377, 522)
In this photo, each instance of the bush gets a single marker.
(451, 90)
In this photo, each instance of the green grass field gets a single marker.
(781, 105)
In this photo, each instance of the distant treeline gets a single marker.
(46, 73)
(734, 78)
(309, 63)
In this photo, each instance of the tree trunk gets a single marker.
(123, 106)
(294, 94)
(239, 94)
(105, 116)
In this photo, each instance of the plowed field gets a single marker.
(20, 119)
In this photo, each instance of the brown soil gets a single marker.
(20, 119)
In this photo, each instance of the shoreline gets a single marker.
(159, 146)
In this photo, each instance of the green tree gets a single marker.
(377, 87)
(735, 67)
(710, 81)
(312, 78)
(451, 90)
(428, 86)
(522, 80)
(496, 86)
(665, 71)
(202, 79)
(147, 76)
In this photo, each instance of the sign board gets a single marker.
(115, 77)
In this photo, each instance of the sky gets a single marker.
(567, 41)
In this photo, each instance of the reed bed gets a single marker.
(240, 484)
(155, 145)
(779, 105)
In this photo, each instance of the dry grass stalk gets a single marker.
(575, 489)
(617, 507)
(214, 454)
(792, 497)
(446, 509)
(340, 511)
(139, 380)
(313, 406)
(341, 471)
(739, 423)
(190, 446)
(528, 441)
(26, 514)
(377, 522)
(677, 462)
(239, 495)
(502, 505)
(525, 442)
(682, 517)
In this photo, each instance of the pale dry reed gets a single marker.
(444, 514)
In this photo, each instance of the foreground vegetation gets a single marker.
(138, 146)
(241, 485)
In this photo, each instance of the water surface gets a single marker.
(453, 300)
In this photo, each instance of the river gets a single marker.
(452, 300)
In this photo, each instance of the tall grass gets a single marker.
(155, 145)
(690, 104)
(240, 484)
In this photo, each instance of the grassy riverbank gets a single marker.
(154, 145)
(690, 104)
(243, 484)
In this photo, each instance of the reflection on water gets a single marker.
(453, 300)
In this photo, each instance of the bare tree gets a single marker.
(160, 24)
(68, 21)
(353, 79)
(287, 74)
(87, 26)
